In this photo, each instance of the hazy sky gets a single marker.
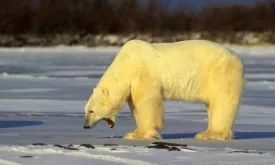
(249, 2)
(199, 3)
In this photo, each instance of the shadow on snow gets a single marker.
(237, 135)
(18, 123)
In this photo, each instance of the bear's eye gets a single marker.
(91, 111)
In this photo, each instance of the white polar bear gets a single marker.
(145, 74)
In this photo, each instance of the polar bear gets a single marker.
(145, 75)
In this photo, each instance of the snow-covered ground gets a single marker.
(42, 96)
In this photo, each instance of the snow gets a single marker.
(42, 96)
(130, 156)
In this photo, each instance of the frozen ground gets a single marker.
(42, 96)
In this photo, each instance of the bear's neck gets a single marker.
(119, 90)
(117, 82)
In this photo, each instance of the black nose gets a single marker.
(86, 127)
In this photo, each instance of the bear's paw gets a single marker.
(135, 135)
(208, 135)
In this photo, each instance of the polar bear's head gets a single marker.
(100, 106)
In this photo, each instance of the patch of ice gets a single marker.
(78, 154)
(28, 90)
(21, 76)
(6, 162)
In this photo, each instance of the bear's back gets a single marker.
(182, 66)
(193, 48)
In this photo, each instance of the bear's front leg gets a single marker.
(133, 109)
(148, 113)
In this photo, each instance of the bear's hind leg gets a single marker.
(222, 115)
(224, 90)
(209, 118)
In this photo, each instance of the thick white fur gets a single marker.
(145, 74)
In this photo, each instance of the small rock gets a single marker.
(170, 144)
(26, 156)
(110, 144)
(240, 151)
(173, 149)
(159, 146)
(58, 145)
(39, 144)
(87, 146)
(69, 147)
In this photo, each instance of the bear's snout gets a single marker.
(86, 122)
(86, 127)
(90, 121)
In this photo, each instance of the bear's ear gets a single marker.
(104, 91)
